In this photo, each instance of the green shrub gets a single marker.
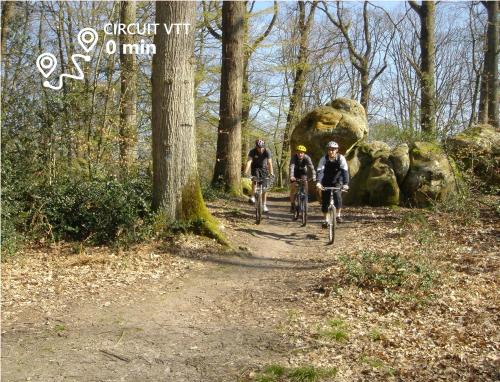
(99, 211)
(212, 193)
(388, 272)
(277, 373)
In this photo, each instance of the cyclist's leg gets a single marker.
(293, 187)
(337, 199)
(254, 186)
(325, 202)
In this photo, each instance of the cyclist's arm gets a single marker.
(247, 167)
(321, 170)
(311, 167)
(344, 170)
(270, 166)
(292, 166)
(270, 162)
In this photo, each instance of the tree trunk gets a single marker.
(483, 95)
(7, 11)
(299, 81)
(365, 90)
(427, 14)
(228, 163)
(245, 113)
(176, 188)
(128, 97)
(490, 73)
(250, 47)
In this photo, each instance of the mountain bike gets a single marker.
(263, 182)
(331, 215)
(300, 201)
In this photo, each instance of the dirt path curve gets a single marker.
(213, 324)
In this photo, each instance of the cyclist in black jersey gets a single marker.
(259, 162)
(300, 162)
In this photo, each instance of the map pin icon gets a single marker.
(87, 38)
(46, 63)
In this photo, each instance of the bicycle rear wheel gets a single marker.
(258, 208)
(332, 224)
(303, 209)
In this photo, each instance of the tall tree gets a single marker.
(7, 11)
(362, 59)
(249, 47)
(488, 104)
(176, 187)
(228, 161)
(128, 99)
(426, 71)
(301, 69)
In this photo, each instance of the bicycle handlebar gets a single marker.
(334, 189)
(300, 180)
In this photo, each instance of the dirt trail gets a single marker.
(213, 324)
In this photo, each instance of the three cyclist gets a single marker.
(332, 172)
(259, 162)
(300, 163)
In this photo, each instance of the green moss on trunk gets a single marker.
(193, 210)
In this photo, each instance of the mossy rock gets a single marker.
(373, 181)
(343, 121)
(478, 148)
(400, 160)
(431, 176)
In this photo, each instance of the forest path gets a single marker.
(214, 324)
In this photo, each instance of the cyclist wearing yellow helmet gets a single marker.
(299, 163)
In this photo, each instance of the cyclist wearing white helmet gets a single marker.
(259, 163)
(299, 163)
(332, 172)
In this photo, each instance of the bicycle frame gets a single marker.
(301, 200)
(259, 191)
(331, 214)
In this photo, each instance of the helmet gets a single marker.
(259, 143)
(332, 145)
(301, 148)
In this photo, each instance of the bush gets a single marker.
(98, 211)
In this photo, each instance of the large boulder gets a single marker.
(400, 160)
(431, 177)
(478, 148)
(343, 121)
(373, 181)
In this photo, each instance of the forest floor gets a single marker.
(403, 294)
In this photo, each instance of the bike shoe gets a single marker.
(339, 219)
(265, 209)
(324, 224)
(251, 200)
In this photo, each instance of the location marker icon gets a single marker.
(46, 63)
(87, 38)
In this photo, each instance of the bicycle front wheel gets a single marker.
(303, 209)
(258, 208)
(296, 205)
(332, 224)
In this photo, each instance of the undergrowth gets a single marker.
(278, 373)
